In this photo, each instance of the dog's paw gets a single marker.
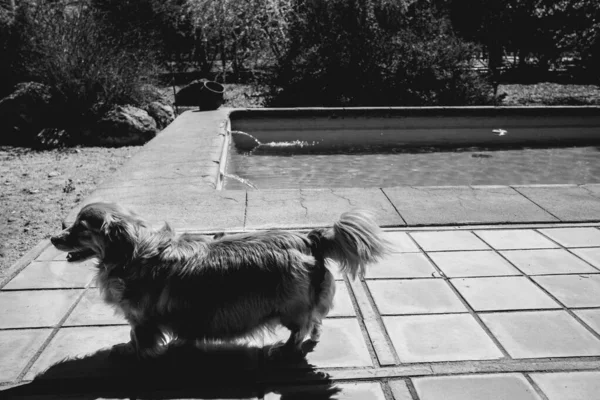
(122, 350)
(281, 352)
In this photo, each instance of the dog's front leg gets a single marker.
(147, 340)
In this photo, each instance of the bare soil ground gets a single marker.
(549, 94)
(39, 188)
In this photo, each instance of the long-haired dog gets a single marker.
(232, 286)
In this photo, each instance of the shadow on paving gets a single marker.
(211, 372)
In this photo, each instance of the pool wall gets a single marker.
(421, 126)
(173, 178)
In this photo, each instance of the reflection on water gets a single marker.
(245, 143)
(416, 167)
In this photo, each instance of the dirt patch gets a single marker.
(39, 188)
(549, 94)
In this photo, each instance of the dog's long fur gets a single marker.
(196, 288)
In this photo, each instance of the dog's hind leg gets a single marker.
(323, 305)
(147, 340)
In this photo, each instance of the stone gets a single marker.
(163, 114)
(26, 112)
(122, 126)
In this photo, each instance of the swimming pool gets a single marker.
(327, 148)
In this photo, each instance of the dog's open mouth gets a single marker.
(80, 255)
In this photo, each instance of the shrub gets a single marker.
(66, 48)
(368, 53)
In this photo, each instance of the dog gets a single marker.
(196, 288)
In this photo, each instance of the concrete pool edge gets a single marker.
(174, 178)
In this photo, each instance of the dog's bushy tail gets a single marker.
(353, 241)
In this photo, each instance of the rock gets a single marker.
(27, 111)
(122, 126)
(163, 114)
(189, 95)
(52, 174)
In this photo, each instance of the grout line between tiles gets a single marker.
(394, 206)
(534, 282)
(535, 386)
(470, 309)
(50, 337)
(568, 249)
(373, 324)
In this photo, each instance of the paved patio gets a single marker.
(453, 313)
(491, 293)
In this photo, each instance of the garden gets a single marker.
(85, 83)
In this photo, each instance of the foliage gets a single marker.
(542, 32)
(363, 52)
(242, 34)
(66, 47)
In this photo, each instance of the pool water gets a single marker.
(418, 167)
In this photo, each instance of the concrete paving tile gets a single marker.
(431, 338)
(346, 391)
(315, 207)
(54, 275)
(91, 310)
(78, 342)
(51, 253)
(342, 344)
(550, 261)
(591, 255)
(510, 239)
(472, 263)
(574, 237)
(33, 309)
(342, 303)
(464, 205)
(540, 334)
(402, 265)
(183, 206)
(414, 296)
(448, 240)
(503, 293)
(401, 242)
(568, 203)
(578, 385)
(590, 317)
(16, 349)
(573, 290)
(476, 387)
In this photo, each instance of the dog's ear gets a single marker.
(120, 232)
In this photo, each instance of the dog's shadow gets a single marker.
(231, 371)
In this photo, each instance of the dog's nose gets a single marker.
(53, 240)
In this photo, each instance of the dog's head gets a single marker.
(102, 230)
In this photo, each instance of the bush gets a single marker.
(368, 53)
(66, 48)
